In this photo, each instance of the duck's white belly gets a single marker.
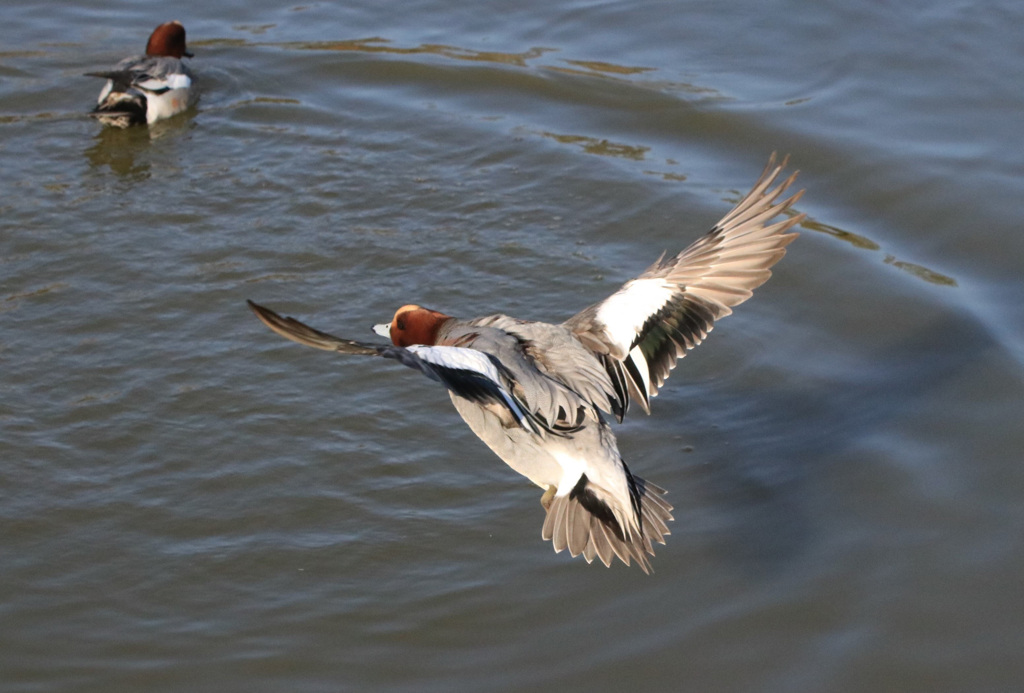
(519, 449)
(550, 460)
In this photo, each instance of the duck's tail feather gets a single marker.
(573, 523)
(121, 109)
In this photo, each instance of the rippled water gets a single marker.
(189, 502)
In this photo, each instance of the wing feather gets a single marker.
(468, 373)
(641, 331)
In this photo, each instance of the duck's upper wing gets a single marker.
(292, 329)
(641, 330)
(154, 75)
(469, 373)
(558, 379)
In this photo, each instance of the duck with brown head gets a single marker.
(537, 394)
(151, 87)
(168, 41)
(413, 324)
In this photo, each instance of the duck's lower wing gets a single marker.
(292, 329)
(468, 373)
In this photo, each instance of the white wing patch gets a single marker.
(174, 80)
(624, 313)
(459, 358)
(178, 80)
(473, 361)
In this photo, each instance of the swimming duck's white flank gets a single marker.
(535, 392)
(150, 87)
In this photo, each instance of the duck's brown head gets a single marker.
(413, 324)
(168, 41)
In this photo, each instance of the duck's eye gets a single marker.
(400, 324)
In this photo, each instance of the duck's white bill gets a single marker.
(384, 329)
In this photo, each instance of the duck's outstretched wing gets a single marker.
(471, 374)
(292, 329)
(641, 330)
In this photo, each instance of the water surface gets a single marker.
(188, 502)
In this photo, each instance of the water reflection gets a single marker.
(12, 301)
(118, 149)
(921, 272)
(836, 232)
(378, 44)
(601, 147)
(667, 175)
(382, 45)
(858, 241)
(609, 68)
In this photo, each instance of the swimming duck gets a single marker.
(150, 87)
(536, 393)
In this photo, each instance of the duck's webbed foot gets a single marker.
(545, 500)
